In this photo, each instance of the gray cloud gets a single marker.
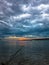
(25, 16)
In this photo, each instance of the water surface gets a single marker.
(35, 52)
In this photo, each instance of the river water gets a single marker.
(35, 52)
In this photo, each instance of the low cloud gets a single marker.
(5, 23)
(21, 16)
(29, 7)
(7, 3)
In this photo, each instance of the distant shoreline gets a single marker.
(25, 38)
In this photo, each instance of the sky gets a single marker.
(24, 17)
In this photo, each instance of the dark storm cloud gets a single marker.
(25, 17)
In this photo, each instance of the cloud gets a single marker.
(45, 16)
(5, 23)
(27, 8)
(39, 12)
(21, 16)
(1, 12)
(30, 17)
(38, 25)
(42, 6)
(9, 10)
(7, 3)
(26, 26)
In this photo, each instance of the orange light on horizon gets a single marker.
(23, 39)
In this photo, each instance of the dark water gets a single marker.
(35, 52)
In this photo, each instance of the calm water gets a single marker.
(35, 52)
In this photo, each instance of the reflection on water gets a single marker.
(35, 52)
